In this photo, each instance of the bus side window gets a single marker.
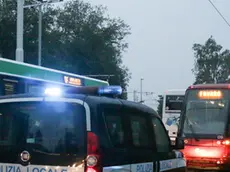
(161, 136)
(10, 87)
(33, 88)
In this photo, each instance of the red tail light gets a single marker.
(93, 143)
(224, 142)
(90, 169)
(93, 153)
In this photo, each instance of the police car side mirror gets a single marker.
(179, 144)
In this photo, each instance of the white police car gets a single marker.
(83, 133)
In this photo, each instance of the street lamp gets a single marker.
(40, 3)
(40, 36)
(20, 24)
(20, 19)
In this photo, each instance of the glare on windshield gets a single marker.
(206, 116)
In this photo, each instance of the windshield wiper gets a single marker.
(191, 128)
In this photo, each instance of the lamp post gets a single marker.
(39, 4)
(20, 26)
(40, 36)
(20, 21)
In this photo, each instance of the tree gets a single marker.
(212, 63)
(78, 38)
(160, 105)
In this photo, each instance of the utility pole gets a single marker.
(40, 36)
(134, 95)
(146, 93)
(20, 22)
(141, 90)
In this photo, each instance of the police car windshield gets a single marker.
(206, 116)
(50, 127)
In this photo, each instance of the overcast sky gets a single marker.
(163, 32)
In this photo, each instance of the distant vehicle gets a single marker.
(17, 78)
(172, 106)
(58, 132)
(205, 127)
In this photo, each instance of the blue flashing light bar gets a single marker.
(53, 92)
(111, 90)
(103, 90)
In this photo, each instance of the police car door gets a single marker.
(141, 148)
(115, 155)
(168, 159)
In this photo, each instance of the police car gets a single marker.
(56, 132)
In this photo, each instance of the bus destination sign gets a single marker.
(210, 94)
(73, 81)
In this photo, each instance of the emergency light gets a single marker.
(110, 90)
(103, 90)
(53, 92)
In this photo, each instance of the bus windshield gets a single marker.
(174, 103)
(206, 116)
(49, 127)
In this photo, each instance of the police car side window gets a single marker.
(162, 140)
(115, 129)
(140, 131)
